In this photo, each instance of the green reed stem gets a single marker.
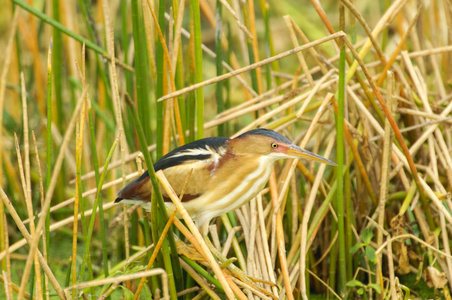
(342, 278)
(219, 63)
(160, 88)
(97, 176)
(96, 203)
(59, 26)
(201, 271)
(158, 199)
(199, 93)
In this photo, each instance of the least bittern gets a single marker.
(222, 175)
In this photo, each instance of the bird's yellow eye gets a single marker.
(274, 145)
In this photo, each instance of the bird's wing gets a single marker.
(187, 168)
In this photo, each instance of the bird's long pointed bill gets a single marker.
(297, 152)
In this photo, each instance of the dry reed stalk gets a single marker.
(251, 67)
(411, 236)
(285, 106)
(391, 271)
(170, 68)
(117, 109)
(3, 79)
(390, 13)
(35, 238)
(141, 274)
(301, 59)
(27, 182)
(29, 239)
(7, 273)
(19, 244)
(89, 193)
(177, 35)
(237, 19)
(304, 225)
(280, 236)
(385, 166)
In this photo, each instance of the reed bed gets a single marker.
(92, 93)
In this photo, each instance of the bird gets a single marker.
(217, 175)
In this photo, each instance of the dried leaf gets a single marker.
(404, 262)
(435, 278)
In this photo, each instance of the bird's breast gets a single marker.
(232, 186)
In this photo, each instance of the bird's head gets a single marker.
(266, 142)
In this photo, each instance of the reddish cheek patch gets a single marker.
(281, 149)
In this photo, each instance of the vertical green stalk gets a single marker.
(352, 26)
(219, 63)
(342, 279)
(160, 81)
(179, 72)
(95, 205)
(349, 222)
(158, 198)
(191, 102)
(227, 85)
(49, 139)
(266, 17)
(101, 209)
(199, 93)
(141, 66)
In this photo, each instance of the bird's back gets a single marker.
(188, 169)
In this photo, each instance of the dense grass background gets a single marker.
(377, 226)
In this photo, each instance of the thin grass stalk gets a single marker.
(201, 271)
(167, 58)
(97, 176)
(267, 44)
(193, 274)
(304, 226)
(7, 271)
(26, 183)
(270, 49)
(45, 233)
(118, 114)
(385, 170)
(160, 88)
(199, 93)
(359, 77)
(280, 238)
(342, 278)
(76, 207)
(349, 220)
(157, 198)
(33, 44)
(4, 74)
(397, 133)
(399, 48)
(29, 238)
(141, 62)
(65, 30)
(253, 66)
(78, 184)
(95, 205)
(154, 254)
(218, 63)
(255, 46)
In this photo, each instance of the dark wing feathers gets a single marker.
(197, 151)
(191, 151)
